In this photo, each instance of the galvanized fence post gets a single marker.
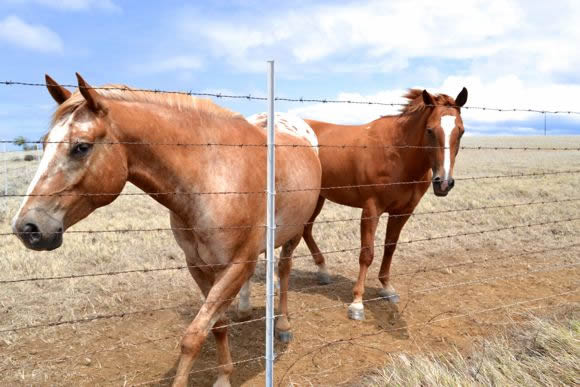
(270, 232)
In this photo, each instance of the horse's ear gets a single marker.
(94, 100)
(428, 99)
(58, 93)
(461, 98)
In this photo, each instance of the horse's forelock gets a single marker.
(416, 103)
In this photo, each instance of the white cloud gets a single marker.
(382, 36)
(74, 5)
(15, 31)
(170, 64)
(505, 92)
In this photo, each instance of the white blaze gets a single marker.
(57, 135)
(448, 124)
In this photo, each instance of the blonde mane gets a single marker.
(125, 93)
(416, 101)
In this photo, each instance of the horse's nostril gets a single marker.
(32, 232)
(451, 183)
(437, 179)
(30, 228)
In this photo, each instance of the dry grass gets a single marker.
(541, 352)
(45, 301)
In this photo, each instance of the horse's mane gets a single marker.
(126, 93)
(416, 103)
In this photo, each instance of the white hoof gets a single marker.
(222, 381)
(356, 311)
(390, 295)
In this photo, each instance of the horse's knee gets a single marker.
(191, 342)
(366, 257)
(188, 346)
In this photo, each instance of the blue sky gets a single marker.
(507, 53)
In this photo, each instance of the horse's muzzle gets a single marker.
(38, 230)
(441, 187)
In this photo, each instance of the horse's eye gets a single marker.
(81, 149)
(430, 131)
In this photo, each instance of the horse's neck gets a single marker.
(153, 167)
(411, 132)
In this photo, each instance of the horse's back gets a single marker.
(298, 172)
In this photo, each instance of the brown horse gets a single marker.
(415, 145)
(100, 139)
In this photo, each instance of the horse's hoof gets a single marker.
(222, 381)
(389, 296)
(285, 336)
(243, 315)
(356, 313)
(323, 278)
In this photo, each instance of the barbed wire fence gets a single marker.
(304, 313)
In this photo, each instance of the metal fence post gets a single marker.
(270, 232)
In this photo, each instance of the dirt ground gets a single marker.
(453, 291)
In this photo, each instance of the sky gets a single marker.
(507, 53)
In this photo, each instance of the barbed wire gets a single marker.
(294, 316)
(293, 190)
(302, 289)
(282, 225)
(250, 97)
(439, 237)
(264, 145)
(182, 267)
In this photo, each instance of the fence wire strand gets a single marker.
(316, 222)
(293, 190)
(294, 316)
(182, 267)
(250, 97)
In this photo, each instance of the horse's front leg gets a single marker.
(224, 289)
(394, 227)
(369, 221)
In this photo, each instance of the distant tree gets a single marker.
(22, 142)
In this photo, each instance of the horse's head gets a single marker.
(80, 169)
(442, 135)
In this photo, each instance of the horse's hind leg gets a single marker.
(284, 267)
(323, 276)
(244, 311)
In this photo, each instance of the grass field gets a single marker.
(541, 352)
(446, 285)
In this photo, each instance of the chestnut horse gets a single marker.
(100, 139)
(415, 145)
